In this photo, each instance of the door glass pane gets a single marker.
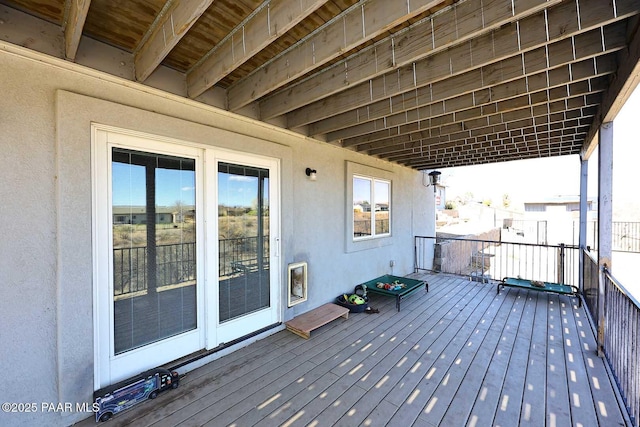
(243, 229)
(381, 194)
(361, 207)
(154, 247)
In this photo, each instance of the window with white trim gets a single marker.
(371, 207)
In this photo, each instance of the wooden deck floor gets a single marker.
(459, 355)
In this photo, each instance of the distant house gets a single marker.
(138, 215)
(558, 205)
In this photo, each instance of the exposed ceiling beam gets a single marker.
(506, 151)
(270, 21)
(529, 136)
(76, 14)
(580, 97)
(504, 97)
(626, 80)
(529, 68)
(526, 36)
(558, 110)
(452, 26)
(526, 129)
(169, 28)
(355, 26)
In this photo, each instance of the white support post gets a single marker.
(582, 230)
(605, 214)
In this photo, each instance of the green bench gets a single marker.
(555, 288)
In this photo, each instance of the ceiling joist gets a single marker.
(529, 35)
(521, 93)
(269, 22)
(422, 83)
(169, 29)
(451, 27)
(74, 23)
(357, 25)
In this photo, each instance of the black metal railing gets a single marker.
(616, 318)
(176, 263)
(362, 228)
(241, 255)
(625, 235)
(490, 259)
(590, 280)
(621, 341)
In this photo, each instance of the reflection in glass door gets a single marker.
(243, 233)
(154, 248)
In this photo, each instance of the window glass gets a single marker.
(381, 194)
(371, 207)
(361, 207)
(154, 263)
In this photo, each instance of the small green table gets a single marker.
(555, 288)
(412, 286)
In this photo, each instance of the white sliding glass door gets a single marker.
(186, 257)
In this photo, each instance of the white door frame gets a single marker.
(109, 368)
(236, 328)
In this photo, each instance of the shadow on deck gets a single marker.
(459, 355)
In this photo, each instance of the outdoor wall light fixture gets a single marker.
(434, 178)
(311, 173)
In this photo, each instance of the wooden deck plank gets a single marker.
(557, 388)
(511, 397)
(350, 387)
(243, 400)
(608, 409)
(219, 383)
(384, 374)
(476, 351)
(492, 389)
(458, 355)
(582, 408)
(533, 410)
(420, 397)
(489, 363)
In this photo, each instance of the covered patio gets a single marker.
(460, 354)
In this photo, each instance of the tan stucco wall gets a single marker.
(46, 273)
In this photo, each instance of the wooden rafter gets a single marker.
(558, 110)
(530, 146)
(357, 25)
(521, 93)
(455, 25)
(528, 37)
(527, 129)
(165, 34)
(627, 78)
(74, 23)
(529, 69)
(422, 83)
(272, 20)
(454, 130)
(541, 113)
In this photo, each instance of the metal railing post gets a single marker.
(601, 310)
(561, 264)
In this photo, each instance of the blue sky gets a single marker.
(173, 185)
